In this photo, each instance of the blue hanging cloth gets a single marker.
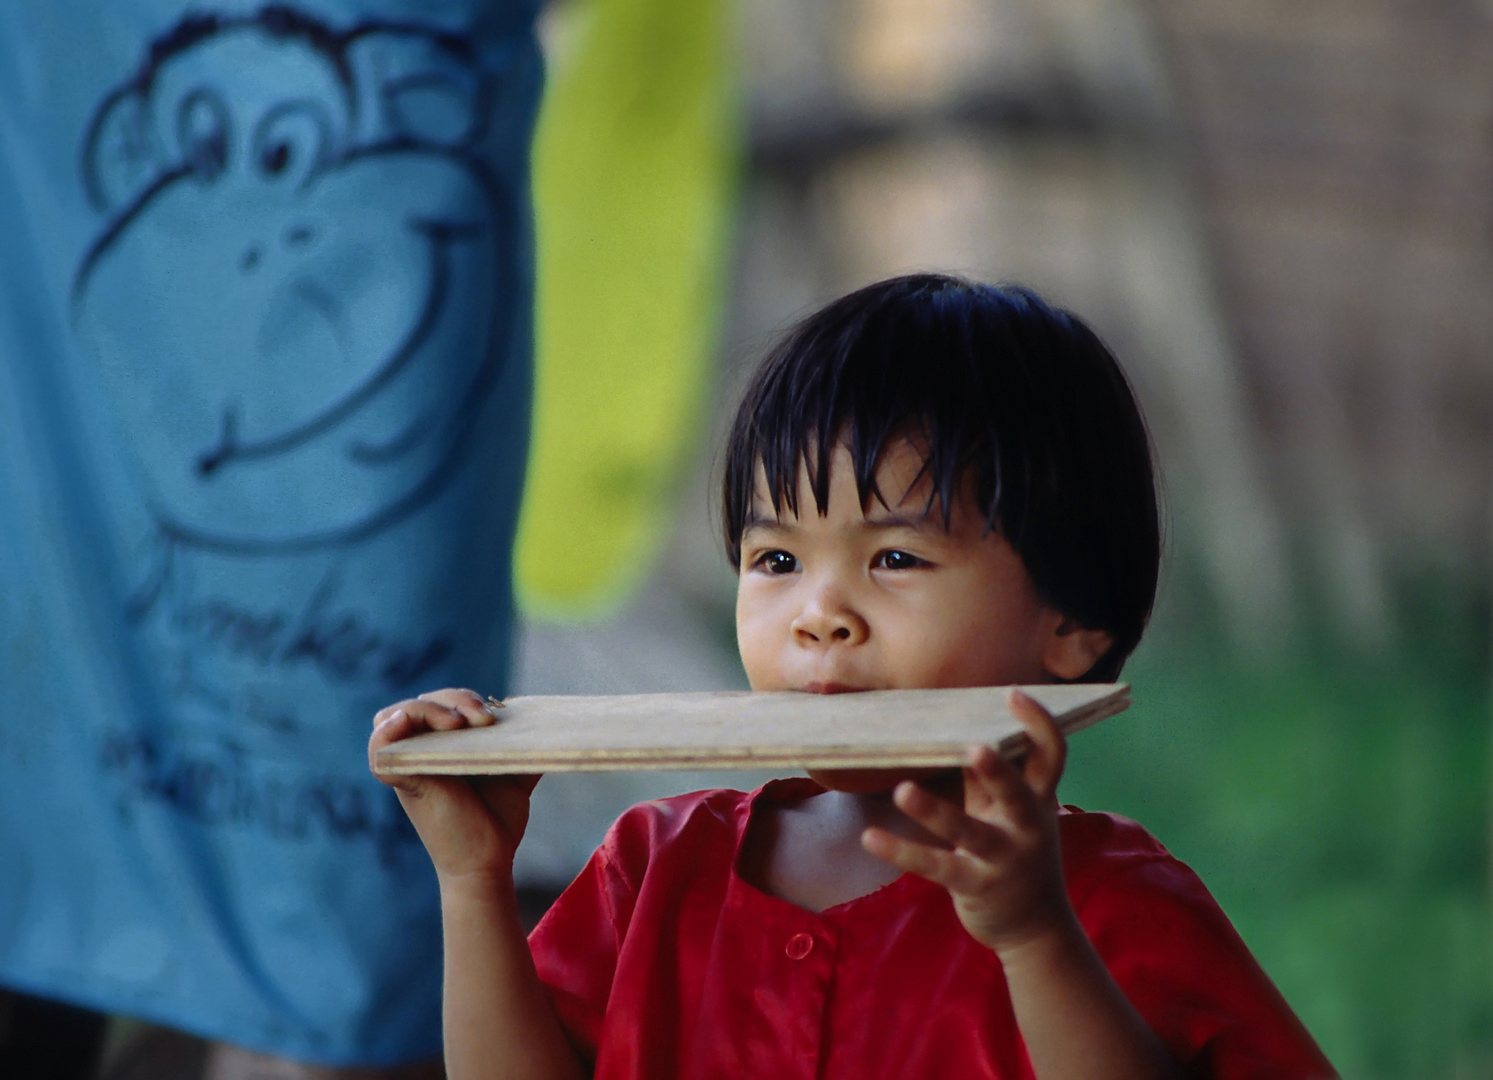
(265, 337)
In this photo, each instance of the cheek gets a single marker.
(757, 634)
(981, 637)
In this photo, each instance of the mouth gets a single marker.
(830, 688)
(312, 297)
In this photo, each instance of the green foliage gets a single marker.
(634, 178)
(1337, 804)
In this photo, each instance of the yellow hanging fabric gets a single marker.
(634, 163)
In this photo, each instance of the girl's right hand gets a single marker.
(469, 827)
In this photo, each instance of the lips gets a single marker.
(830, 688)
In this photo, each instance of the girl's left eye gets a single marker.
(898, 560)
(778, 562)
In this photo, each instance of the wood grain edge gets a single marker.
(941, 755)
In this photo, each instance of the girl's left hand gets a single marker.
(1004, 864)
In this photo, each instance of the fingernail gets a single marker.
(395, 715)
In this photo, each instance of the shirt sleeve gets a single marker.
(1187, 972)
(576, 944)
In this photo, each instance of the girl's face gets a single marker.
(889, 598)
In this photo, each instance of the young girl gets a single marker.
(930, 483)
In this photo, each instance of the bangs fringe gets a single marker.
(998, 391)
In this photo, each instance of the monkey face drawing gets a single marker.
(300, 297)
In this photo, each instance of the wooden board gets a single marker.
(729, 730)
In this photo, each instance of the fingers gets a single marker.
(946, 821)
(392, 728)
(397, 725)
(954, 871)
(1048, 751)
(999, 854)
(995, 790)
(467, 703)
(441, 710)
(1001, 804)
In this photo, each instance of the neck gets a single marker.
(860, 810)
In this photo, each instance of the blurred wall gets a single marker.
(1281, 216)
(1345, 152)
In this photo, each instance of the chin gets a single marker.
(870, 781)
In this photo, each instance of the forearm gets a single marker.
(497, 1017)
(1075, 1020)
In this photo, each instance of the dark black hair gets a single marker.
(998, 389)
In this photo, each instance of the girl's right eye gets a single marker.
(778, 562)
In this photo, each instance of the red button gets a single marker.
(799, 946)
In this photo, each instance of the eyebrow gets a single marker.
(756, 520)
(898, 521)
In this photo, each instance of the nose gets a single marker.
(298, 234)
(828, 617)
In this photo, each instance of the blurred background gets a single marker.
(1281, 217)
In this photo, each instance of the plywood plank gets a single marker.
(741, 729)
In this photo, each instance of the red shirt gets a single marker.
(662, 962)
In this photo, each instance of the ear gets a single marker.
(1073, 649)
(426, 88)
(119, 155)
